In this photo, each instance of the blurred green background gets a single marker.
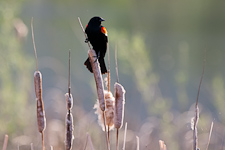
(161, 47)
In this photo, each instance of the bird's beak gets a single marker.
(102, 19)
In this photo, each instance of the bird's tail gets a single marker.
(102, 65)
(101, 62)
(88, 65)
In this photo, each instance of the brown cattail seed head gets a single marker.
(119, 105)
(109, 111)
(69, 101)
(40, 105)
(98, 78)
(69, 131)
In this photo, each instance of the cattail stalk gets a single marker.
(100, 88)
(210, 133)
(31, 146)
(108, 74)
(125, 135)
(117, 74)
(137, 138)
(195, 131)
(90, 141)
(98, 79)
(69, 116)
(41, 121)
(196, 118)
(5, 142)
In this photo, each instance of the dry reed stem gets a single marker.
(196, 118)
(43, 142)
(125, 135)
(108, 74)
(5, 142)
(137, 138)
(195, 131)
(90, 141)
(31, 146)
(51, 147)
(98, 78)
(119, 105)
(162, 145)
(69, 131)
(106, 137)
(84, 32)
(35, 51)
(210, 133)
(117, 139)
(117, 74)
(69, 87)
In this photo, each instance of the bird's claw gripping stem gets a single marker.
(97, 57)
(86, 40)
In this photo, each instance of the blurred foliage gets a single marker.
(15, 79)
(161, 48)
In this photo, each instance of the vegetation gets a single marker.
(160, 46)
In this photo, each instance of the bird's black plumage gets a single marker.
(97, 35)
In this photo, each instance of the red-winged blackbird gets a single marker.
(97, 35)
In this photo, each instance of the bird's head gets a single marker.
(96, 21)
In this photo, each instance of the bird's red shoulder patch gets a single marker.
(103, 30)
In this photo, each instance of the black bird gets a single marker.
(97, 35)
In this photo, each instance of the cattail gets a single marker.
(40, 105)
(109, 111)
(41, 121)
(119, 105)
(98, 78)
(69, 131)
(119, 109)
(69, 100)
(69, 116)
